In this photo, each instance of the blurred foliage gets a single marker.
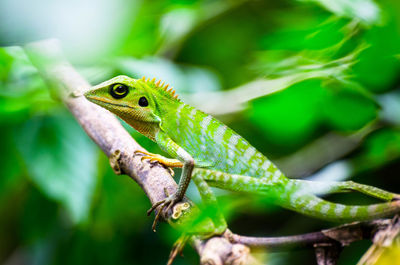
(389, 255)
(59, 200)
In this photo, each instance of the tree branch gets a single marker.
(329, 243)
(343, 234)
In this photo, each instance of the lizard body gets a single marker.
(212, 154)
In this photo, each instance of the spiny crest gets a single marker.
(158, 84)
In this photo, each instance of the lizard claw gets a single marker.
(171, 171)
(165, 205)
(177, 248)
(140, 152)
(152, 159)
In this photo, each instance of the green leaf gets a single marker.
(10, 166)
(60, 159)
(22, 90)
(380, 148)
(377, 67)
(321, 34)
(5, 64)
(346, 109)
(291, 116)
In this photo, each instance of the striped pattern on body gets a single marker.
(234, 182)
(213, 144)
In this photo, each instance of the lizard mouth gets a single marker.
(104, 102)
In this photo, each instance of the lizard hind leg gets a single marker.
(368, 190)
(177, 248)
(210, 201)
(322, 188)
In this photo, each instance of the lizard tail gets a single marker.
(314, 206)
(297, 196)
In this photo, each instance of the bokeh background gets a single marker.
(313, 84)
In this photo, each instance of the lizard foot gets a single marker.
(177, 248)
(168, 162)
(155, 158)
(165, 206)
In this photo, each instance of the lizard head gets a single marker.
(137, 101)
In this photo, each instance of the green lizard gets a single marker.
(212, 154)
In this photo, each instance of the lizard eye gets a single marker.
(143, 102)
(118, 91)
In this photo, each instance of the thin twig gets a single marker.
(344, 234)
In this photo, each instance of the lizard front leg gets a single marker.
(169, 146)
(173, 149)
